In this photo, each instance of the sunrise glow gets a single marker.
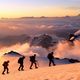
(50, 8)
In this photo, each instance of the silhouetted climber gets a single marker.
(51, 59)
(5, 65)
(33, 61)
(20, 61)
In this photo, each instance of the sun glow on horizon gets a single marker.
(48, 12)
(49, 8)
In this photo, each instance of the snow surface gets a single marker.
(59, 72)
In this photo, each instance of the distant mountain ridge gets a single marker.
(13, 53)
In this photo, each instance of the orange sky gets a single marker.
(21, 8)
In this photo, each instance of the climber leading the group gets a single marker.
(51, 59)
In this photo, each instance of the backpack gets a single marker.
(31, 58)
(5, 63)
(19, 60)
(50, 56)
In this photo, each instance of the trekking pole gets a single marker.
(37, 63)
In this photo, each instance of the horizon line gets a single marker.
(23, 17)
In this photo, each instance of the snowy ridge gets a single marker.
(61, 72)
(58, 72)
(12, 53)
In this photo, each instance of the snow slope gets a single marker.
(59, 72)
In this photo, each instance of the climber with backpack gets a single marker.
(5, 65)
(33, 61)
(20, 61)
(51, 58)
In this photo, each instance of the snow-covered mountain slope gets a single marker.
(58, 72)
